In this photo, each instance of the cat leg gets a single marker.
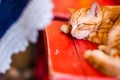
(104, 63)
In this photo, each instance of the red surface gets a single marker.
(41, 68)
(64, 58)
(61, 51)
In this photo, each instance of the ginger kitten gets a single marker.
(99, 24)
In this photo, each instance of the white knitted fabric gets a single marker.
(35, 16)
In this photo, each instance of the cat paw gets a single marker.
(104, 63)
(66, 28)
(103, 48)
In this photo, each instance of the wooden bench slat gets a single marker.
(65, 56)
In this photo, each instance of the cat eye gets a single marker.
(80, 26)
(85, 26)
(88, 24)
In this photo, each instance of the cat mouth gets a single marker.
(80, 34)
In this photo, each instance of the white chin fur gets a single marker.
(80, 34)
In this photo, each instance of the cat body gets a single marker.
(99, 24)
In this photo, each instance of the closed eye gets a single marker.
(88, 24)
(85, 26)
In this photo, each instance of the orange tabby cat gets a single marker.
(100, 25)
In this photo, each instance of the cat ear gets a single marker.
(94, 10)
(71, 10)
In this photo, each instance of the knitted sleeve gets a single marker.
(20, 25)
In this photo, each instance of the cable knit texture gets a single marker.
(35, 17)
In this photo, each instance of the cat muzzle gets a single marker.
(78, 34)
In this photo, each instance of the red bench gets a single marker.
(65, 56)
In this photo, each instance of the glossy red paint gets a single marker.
(65, 55)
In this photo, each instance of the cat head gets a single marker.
(85, 20)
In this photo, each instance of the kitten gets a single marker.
(99, 24)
